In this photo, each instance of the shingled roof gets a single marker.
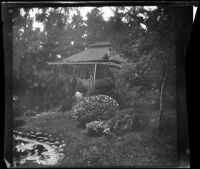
(90, 54)
(94, 53)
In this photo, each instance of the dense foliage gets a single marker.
(124, 121)
(104, 84)
(99, 107)
(137, 82)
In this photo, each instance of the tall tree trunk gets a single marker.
(161, 98)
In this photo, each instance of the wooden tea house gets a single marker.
(92, 63)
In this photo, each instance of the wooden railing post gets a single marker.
(95, 70)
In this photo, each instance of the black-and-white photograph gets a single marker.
(95, 86)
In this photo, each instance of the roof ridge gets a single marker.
(100, 43)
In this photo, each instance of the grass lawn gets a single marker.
(140, 148)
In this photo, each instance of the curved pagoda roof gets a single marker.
(96, 53)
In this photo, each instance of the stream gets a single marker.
(36, 147)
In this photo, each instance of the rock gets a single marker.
(41, 140)
(14, 131)
(62, 145)
(47, 142)
(57, 142)
(45, 134)
(51, 139)
(20, 133)
(26, 133)
(45, 138)
(60, 150)
(38, 133)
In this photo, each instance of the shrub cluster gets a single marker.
(99, 107)
(126, 120)
(95, 127)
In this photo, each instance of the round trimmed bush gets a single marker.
(99, 107)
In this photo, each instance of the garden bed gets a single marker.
(140, 148)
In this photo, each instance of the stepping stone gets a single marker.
(20, 133)
(60, 146)
(27, 134)
(45, 134)
(46, 138)
(50, 135)
(32, 132)
(46, 142)
(63, 141)
(51, 139)
(14, 131)
(38, 133)
(57, 142)
(41, 140)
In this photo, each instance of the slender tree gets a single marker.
(161, 96)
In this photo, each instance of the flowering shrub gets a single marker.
(95, 127)
(99, 107)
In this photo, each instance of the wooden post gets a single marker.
(95, 70)
(81, 73)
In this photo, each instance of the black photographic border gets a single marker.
(186, 33)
